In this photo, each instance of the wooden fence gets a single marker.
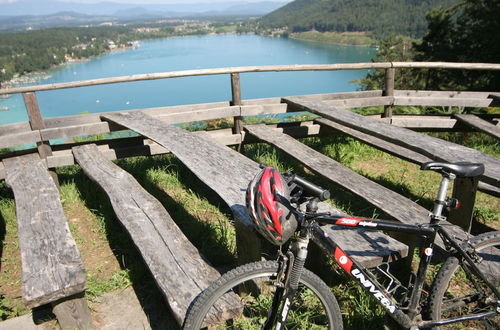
(202, 150)
(41, 130)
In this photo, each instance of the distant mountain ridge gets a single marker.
(108, 8)
(380, 17)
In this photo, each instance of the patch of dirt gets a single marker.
(10, 275)
(97, 256)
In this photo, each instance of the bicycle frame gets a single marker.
(403, 315)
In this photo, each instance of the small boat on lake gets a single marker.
(4, 108)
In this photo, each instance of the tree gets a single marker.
(467, 32)
(393, 49)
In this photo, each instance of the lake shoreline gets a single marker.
(190, 53)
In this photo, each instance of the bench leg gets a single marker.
(73, 313)
(247, 244)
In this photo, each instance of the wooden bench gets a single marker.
(383, 198)
(415, 147)
(426, 145)
(177, 266)
(52, 270)
(391, 148)
(228, 172)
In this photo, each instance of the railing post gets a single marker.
(389, 90)
(236, 100)
(36, 123)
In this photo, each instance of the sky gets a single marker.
(159, 1)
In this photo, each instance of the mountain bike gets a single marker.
(282, 294)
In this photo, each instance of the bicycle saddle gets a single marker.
(461, 169)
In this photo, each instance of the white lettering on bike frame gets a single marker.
(373, 290)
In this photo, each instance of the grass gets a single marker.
(112, 262)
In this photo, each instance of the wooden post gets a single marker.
(36, 123)
(73, 313)
(389, 90)
(248, 245)
(464, 189)
(236, 100)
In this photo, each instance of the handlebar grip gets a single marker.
(311, 188)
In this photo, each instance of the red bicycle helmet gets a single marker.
(266, 197)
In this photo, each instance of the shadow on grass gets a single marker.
(6, 193)
(201, 234)
(3, 231)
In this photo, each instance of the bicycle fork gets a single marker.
(288, 277)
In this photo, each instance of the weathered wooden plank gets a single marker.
(361, 102)
(9, 129)
(223, 136)
(85, 119)
(259, 109)
(177, 266)
(51, 264)
(424, 144)
(197, 115)
(342, 96)
(16, 139)
(375, 142)
(262, 101)
(91, 118)
(441, 94)
(227, 173)
(443, 102)
(424, 122)
(385, 199)
(160, 111)
(480, 124)
(2, 171)
(75, 130)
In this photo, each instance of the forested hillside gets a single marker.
(36, 50)
(380, 17)
(467, 32)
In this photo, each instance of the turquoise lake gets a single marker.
(186, 53)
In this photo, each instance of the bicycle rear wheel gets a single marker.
(456, 292)
(314, 306)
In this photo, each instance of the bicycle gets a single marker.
(281, 294)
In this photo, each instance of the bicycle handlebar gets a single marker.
(311, 188)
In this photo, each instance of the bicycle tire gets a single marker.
(265, 270)
(453, 293)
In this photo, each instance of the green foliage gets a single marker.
(395, 48)
(381, 17)
(468, 32)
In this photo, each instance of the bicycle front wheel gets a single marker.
(313, 307)
(456, 292)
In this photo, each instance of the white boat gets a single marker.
(4, 108)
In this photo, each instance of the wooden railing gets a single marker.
(41, 130)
